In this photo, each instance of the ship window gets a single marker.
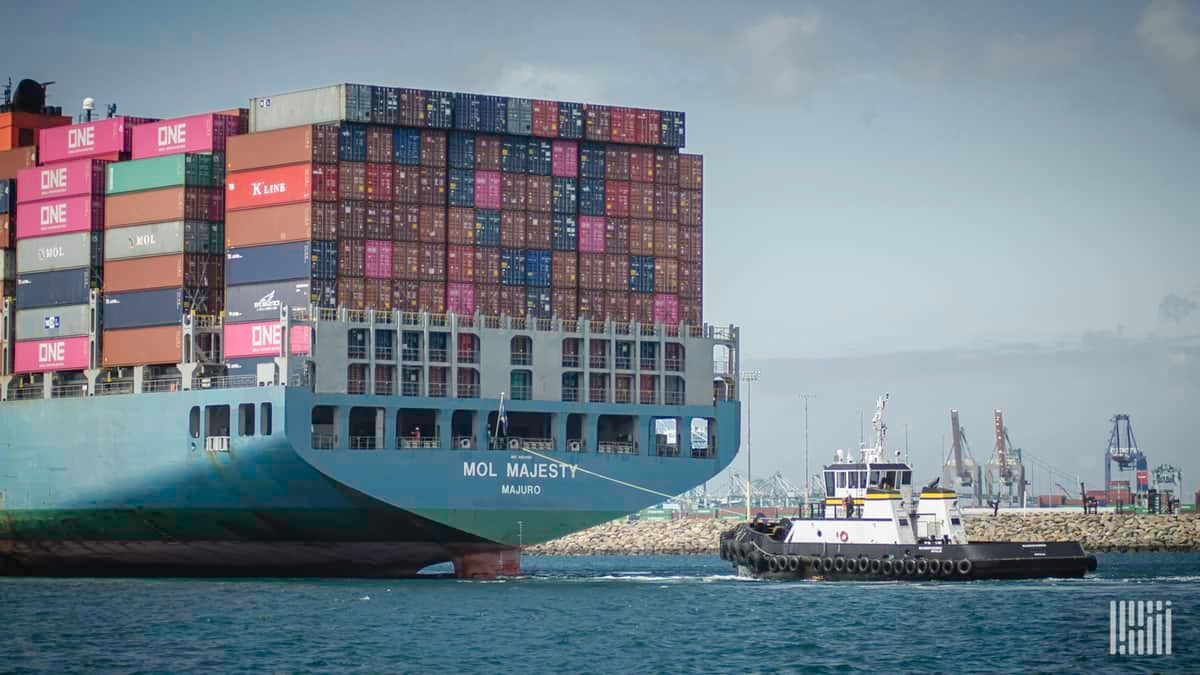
(906, 477)
(265, 422)
(829, 482)
(217, 422)
(874, 480)
(853, 479)
(955, 521)
(194, 421)
(246, 419)
(841, 478)
(904, 522)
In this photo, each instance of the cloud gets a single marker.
(1039, 55)
(1176, 307)
(779, 54)
(1169, 34)
(538, 81)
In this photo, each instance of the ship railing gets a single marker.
(722, 368)
(410, 319)
(383, 388)
(521, 358)
(622, 328)
(468, 391)
(206, 321)
(68, 390)
(362, 443)
(407, 443)
(624, 362)
(595, 326)
(216, 444)
(468, 356)
(358, 352)
(437, 389)
(695, 331)
(492, 322)
(671, 330)
(410, 389)
(162, 384)
(356, 386)
(384, 353)
(648, 363)
(673, 364)
(517, 323)
(576, 445)
(570, 394)
(623, 396)
(673, 397)
(224, 381)
(717, 332)
(518, 443)
(705, 453)
(383, 318)
(616, 448)
(545, 325)
(463, 443)
(522, 392)
(440, 355)
(356, 316)
(570, 326)
(648, 397)
(324, 440)
(438, 320)
(114, 388)
(465, 321)
(410, 354)
(27, 392)
(666, 450)
(570, 361)
(598, 395)
(647, 330)
(599, 362)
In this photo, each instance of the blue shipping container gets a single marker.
(379, 105)
(324, 259)
(461, 188)
(565, 199)
(514, 154)
(641, 273)
(466, 112)
(358, 103)
(541, 158)
(591, 160)
(259, 264)
(142, 309)
(439, 110)
(570, 120)
(512, 266)
(324, 292)
(8, 191)
(352, 143)
(263, 302)
(538, 267)
(493, 114)
(54, 289)
(248, 366)
(487, 227)
(672, 133)
(406, 146)
(520, 116)
(566, 232)
(537, 303)
(591, 197)
(462, 150)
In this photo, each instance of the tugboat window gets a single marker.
(829, 483)
(854, 479)
(874, 480)
(906, 477)
(841, 475)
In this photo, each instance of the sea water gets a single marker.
(598, 614)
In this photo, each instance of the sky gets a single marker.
(882, 178)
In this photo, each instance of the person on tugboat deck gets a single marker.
(849, 504)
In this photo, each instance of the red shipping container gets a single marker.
(689, 311)
(539, 231)
(666, 166)
(691, 208)
(564, 159)
(616, 162)
(433, 262)
(641, 164)
(379, 144)
(591, 304)
(616, 199)
(487, 189)
(413, 104)
(539, 193)
(564, 272)
(691, 280)
(433, 224)
(641, 200)
(352, 180)
(268, 187)
(512, 301)
(352, 219)
(378, 254)
(666, 275)
(564, 303)
(691, 172)
(691, 244)
(324, 220)
(406, 184)
(597, 123)
(616, 273)
(460, 263)
(666, 239)
(406, 296)
(460, 225)
(378, 220)
(487, 158)
(352, 260)
(433, 148)
(325, 182)
(649, 127)
(641, 307)
(666, 202)
(616, 236)
(545, 119)
(460, 299)
(592, 271)
(433, 186)
(641, 237)
(406, 261)
(666, 308)
(592, 234)
(352, 293)
(623, 122)
(379, 182)
(512, 229)
(406, 222)
(512, 191)
(487, 299)
(487, 265)
(616, 306)
(378, 294)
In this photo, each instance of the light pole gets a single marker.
(807, 476)
(748, 376)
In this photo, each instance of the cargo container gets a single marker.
(641, 237)
(19, 129)
(352, 143)
(641, 200)
(512, 267)
(47, 322)
(467, 114)
(691, 208)
(406, 184)
(520, 116)
(159, 172)
(351, 181)
(433, 262)
(616, 236)
(460, 225)
(352, 258)
(544, 118)
(406, 296)
(487, 299)
(197, 133)
(460, 188)
(666, 275)
(379, 145)
(539, 266)
(164, 271)
(570, 120)
(310, 144)
(623, 124)
(8, 195)
(666, 202)
(565, 234)
(406, 261)
(666, 308)
(487, 152)
(431, 297)
(461, 150)
(378, 221)
(539, 193)
(488, 227)
(69, 179)
(592, 163)
(564, 303)
(616, 162)
(691, 244)
(641, 164)
(641, 274)
(565, 272)
(352, 292)
(540, 160)
(591, 234)
(538, 303)
(60, 216)
(666, 239)
(143, 346)
(666, 167)
(565, 196)
(433, 148)
(691, 280)
(514, 155)
(691, 172)
(269, 187)
(616, 272)
(378, 256)
(512, 229)
(12, 161)
(264, 339)
(406, 146)
(263, 302)
(352, 219)
(406, 222)
(617, 199)
(260, 264)
(158, 206)
(50, 289)
(432, 186)
(332, 103)
(487, 265)
(591, 197)
(512, 301)
(106, 138)
(641, 307)
(596, 123)
(617, 306)
(324, 259)
(432, 221)
(39, 356)
(439, 110)
(591, 271)
(377, 294)
(564, 159)
(460, 264)
(158, 307)
(60, 252)
(493, 114)
(6, 231)
(671, 128)
(460, 298)
(591, 303)
(539, 231)
(488, 190)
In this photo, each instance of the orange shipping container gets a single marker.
(164, 271)
(294, 145)
(143, 346)
(269, 225)
(268, 187)
(12, 161)
(19, 129)
(157, 206)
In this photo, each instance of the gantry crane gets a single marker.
(1123, 451)
(1005, 475)
(960, 471)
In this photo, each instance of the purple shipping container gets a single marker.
(565, 159)
(460, 299)
(378, 259)
(591, 234)
(487, 189)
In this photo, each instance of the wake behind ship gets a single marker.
(220, 361)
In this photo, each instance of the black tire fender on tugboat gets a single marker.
(794, 563)
(910, 566)
(922, 567)
(826, 564)
(886, 568)
(947, 567)
(775, 563)
(965, 566)
(876, 565)
(839, 564)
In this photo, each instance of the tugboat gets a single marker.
(870, 529)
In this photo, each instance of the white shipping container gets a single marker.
(56, 252)
(44, 322)
(311, 106)
(141, 241)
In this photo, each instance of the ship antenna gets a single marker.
(8, 92)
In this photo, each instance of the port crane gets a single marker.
(1123, 451)
(1005, 474)
(960, 470)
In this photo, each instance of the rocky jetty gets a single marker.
(1103, 532)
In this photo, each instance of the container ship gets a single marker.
(349, 331)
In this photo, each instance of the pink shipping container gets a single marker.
(378, 259)
(69, 179)
(60, 216)
(89, 139)
(666, 308)
(460, 264)
(264, 339)
(641, 165)
(487, 190)
(564, 159)
(39, 356)
(592, 230)
(197, 133)
(616, 198)
(460, 299)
